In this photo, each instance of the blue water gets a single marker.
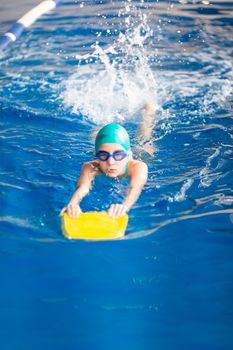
(168, 284)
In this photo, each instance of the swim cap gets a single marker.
(112, 133)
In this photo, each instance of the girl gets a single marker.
(113, 159)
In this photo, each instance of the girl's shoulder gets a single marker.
(136, 163)
(136, 166)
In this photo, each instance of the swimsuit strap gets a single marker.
(126, 169)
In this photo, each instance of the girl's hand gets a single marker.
(117, 210)
(72, 209)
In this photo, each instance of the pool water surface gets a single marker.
(168, 284)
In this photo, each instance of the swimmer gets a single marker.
(113, 159)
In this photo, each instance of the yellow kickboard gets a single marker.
(94, 226)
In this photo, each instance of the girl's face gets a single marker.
(112, 167)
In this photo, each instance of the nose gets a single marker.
(111, 160)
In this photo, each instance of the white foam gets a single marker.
(181, 195)
(119, 81)
(206, 177)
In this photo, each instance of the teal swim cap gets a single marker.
(112, 133)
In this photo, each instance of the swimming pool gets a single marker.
(168, 285)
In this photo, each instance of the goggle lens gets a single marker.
(117, 155)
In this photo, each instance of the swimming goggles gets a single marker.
(117, 155)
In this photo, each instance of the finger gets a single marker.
(111, 210)
(125, 209)
(70, 210)
(74, 211)
(62, 212)
(122, 211)
(116, 210)
(77, 211)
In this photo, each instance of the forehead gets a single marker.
(111, 147)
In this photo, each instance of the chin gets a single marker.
(112, 175)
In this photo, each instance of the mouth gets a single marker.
(111, 171)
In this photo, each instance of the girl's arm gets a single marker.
(83, 187)
(139, 174)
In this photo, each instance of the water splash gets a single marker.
(114, 82)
